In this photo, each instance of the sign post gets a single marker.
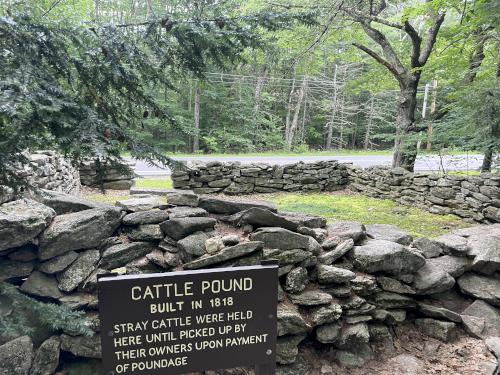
(180, 322)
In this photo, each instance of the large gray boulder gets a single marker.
(485, 288)
(183, 199)
(233, 252)
(183, 227)
(21, 221)
(41, 285)
(431, 279)
(79, 230)
(386, 256)
(16, 356)
(79, 270)
(388, 232)
(46, 358)
(120, 255)
(347, 229)
(280, 238)
(227, 207)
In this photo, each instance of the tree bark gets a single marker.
(405, 148)
(487, 160)
(196, 138)
(295, 121)
(369, 125)
(329, 133)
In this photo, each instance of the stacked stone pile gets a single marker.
(342, 286)
(472, 197)
(47, 170)
(115, 177)
(235, 178)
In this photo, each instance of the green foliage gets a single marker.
(29, 316)
(85, 90)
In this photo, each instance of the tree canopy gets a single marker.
(99, 78)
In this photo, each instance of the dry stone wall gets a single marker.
(342, 286)
(471, 197)
(475, 198)
(116, 177)
(234, 178)
(47, 170)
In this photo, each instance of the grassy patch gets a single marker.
(155, 183)
(369, 211)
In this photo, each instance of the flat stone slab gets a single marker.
(79, 230)
(158, 192)
(311, 298)
(139, 204)
(79, 270)
(146, 217)
(65, 203)
(180, 211)
(280, 238)
(455, 266)
(259, 217)
(331, 275)
(388, 232)
(227, 207)
(226, 254)
(485, 288)
(347, 229)
(41, 285)
(119, 255)
(183, 227)
(21, 221)
(58, 264)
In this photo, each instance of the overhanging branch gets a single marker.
(379, 59)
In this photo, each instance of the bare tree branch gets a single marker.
(431, 39)
(379, 59)
(416, 42)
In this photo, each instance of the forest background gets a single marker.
(405, 75)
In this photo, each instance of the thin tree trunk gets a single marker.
(295, 121)
(289, 111)
(329, 133)
(196, 138)
(433, 110)
(369, 125)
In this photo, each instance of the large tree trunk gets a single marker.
(196, 138)
(405, 148)
(487, 160)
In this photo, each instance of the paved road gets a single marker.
(424, 163)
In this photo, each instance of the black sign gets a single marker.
(179, 322)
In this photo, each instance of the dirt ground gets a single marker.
(411, 353)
